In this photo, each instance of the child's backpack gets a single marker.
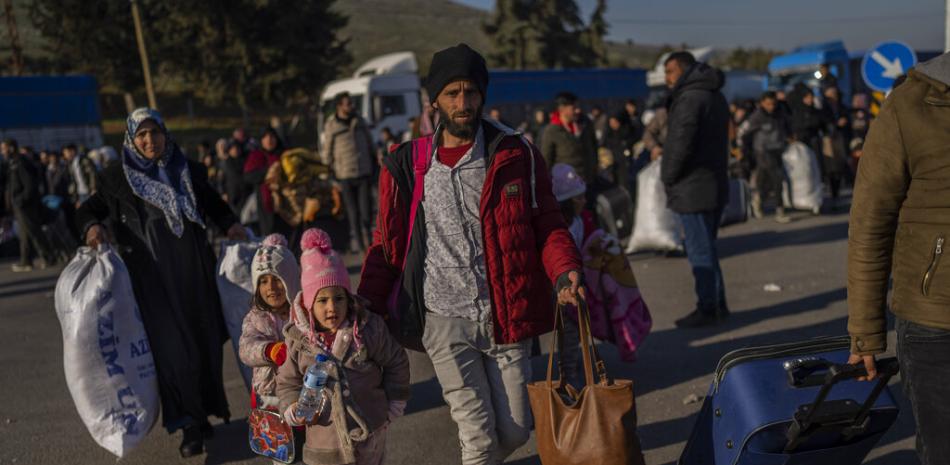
(618, 313)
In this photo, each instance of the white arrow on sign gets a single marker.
(892, 69)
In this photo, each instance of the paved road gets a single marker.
(39, 425)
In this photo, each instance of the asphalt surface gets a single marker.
(807, 259)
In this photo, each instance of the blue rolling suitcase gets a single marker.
(792, 404)
(737, 210)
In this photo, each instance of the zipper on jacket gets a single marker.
(932, 269)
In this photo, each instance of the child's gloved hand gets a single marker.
(276, 352)
(396, 409)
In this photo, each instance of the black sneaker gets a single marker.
(192, 443)
(697, 319)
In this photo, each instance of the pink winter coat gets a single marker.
(259, 329)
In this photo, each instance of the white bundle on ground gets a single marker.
(656, 227)
(109, 368)
(804, 190)
(235, 288)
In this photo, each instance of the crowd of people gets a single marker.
(468, 273)
(41, 192)
(833, 132)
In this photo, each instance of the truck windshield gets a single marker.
(787, 81)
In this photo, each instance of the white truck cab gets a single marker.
(385, 92)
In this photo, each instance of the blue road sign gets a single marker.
(884, 63)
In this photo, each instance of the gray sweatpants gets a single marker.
(484, 384)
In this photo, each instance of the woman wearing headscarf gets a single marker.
(155, 203)
(259, 175)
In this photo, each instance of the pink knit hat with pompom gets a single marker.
(320, 266)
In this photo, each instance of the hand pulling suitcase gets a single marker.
(737, 210)
(614, 209)
(792, 404)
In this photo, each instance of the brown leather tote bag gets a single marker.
(595, 426)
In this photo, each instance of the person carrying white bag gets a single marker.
(803, 190)
(155, 208)
(655, 226)
(109, 368)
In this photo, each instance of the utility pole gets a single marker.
(144, 55)
(15, 38)
(946, 33)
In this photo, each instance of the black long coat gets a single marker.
(174, 284)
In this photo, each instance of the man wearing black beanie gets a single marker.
(473, 261)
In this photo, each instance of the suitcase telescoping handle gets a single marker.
(819, 415)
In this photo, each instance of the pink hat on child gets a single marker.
(567, 184)
(320, 266)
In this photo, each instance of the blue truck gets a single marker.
(47, 112)
(804, 63)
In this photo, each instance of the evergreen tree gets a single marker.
(596, 31)
(546, 34)
(94, 37)
(239, 50)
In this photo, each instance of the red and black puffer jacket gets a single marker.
(526, 242)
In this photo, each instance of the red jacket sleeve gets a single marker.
(379, 275)
(255, 161)
(559, 254)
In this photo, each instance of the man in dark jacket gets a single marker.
(475, 268)
(235, 189)
(567, 140)
(695, 159)
(619, 140)
(897, 232)
(23, 190)
(835, 143)
(766, 136)
(631, 117)
(806, 120)
(57, 176)
(82, 173)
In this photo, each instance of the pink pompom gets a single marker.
(315, 238)
(275, 240)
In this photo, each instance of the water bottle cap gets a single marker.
(322, 358)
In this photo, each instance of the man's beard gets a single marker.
(461, 130)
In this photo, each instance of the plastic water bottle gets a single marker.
(312, 393)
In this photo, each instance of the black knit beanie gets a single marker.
(454, 63)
